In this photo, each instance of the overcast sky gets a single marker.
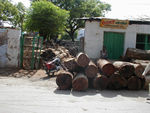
(120, 8)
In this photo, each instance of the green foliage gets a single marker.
(46, 18)
(7, 10)
(20, 16)
(13, 13)
(79, 9)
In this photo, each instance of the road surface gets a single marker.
(36, 95)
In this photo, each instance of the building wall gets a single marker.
(10, 49)
(94, 37)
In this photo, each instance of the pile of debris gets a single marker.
(50, 53)
(82, 73)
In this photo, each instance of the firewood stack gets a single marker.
(82, 73)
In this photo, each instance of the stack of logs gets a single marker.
(82, 73)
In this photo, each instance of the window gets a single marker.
(143, 41)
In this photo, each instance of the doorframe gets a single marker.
(123, 32)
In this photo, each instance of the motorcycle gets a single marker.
(53, 66)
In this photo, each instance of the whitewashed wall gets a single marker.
(11, 52)
(94, 36)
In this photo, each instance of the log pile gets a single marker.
(84, 73)
(133, 53)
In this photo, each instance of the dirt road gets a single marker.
(40, 95)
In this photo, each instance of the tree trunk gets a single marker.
(64, 80)
(80, 82)
(125, 68)
(82, 60)
(106, 67)
(100, 82)
(91, 70)
(134, 83)
(138, 69)
(133, 53)
(116, 82)
(71, 64)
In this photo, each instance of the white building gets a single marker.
(9, 47)
(116, 35)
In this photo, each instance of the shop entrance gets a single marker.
(114, 43)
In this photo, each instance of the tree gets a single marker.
(79, 9)
(7, 11)
(46, 18)
(20, 16)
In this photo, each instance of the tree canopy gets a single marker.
(7, 10)
(12, 13)
(46, 18)
(79, 9)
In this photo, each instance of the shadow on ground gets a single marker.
(16, 72)
(105, 93)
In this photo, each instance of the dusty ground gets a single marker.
(34, 92)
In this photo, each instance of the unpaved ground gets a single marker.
(39, 94)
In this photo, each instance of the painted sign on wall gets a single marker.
(116, 24)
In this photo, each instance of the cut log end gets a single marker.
(64, 80)
(80, 82)
(82, 60)
(91, 70)
(116, 82)
(134, 83)
(100, 82)
(106, 67)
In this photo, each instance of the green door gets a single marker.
(114, 43)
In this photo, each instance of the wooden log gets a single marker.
(143, 64)
(90, 83)
(80, 82)
(133, 53)
(134, 83)
(100, 82)
(147, 82)
(138, 69)
(125, 68)
(70, 64)
(64, 80)
(116, 82)
(91, 70)
(82, 60)
(106, 67)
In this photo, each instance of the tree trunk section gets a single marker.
(138, 69)
(64, 80)
(82, 60)
(71, 64)
(125, 68)
(134, 83)
(100, 82)
(80, 82)
(106, 67)
(91, 70)
(116, 82)
(133, 53)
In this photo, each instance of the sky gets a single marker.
(120, 8)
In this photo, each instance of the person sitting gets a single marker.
(103, 53)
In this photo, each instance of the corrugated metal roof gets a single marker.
(138, 20)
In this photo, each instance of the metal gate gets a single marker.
(114, 43)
